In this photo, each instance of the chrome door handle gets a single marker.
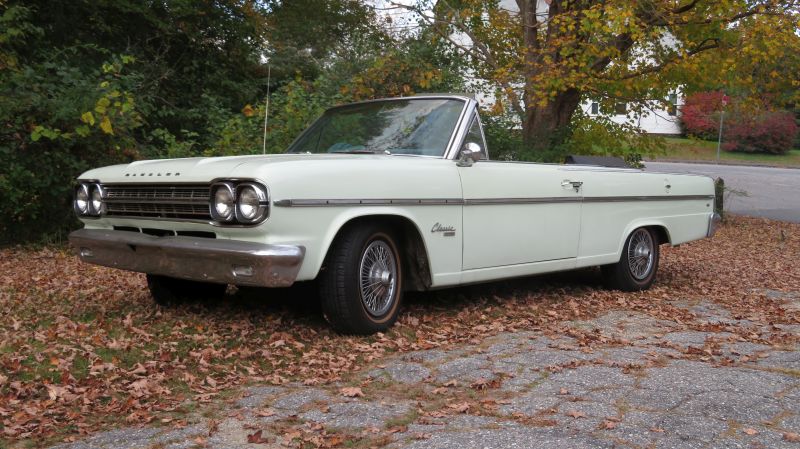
(575, 184)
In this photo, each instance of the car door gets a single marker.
(517, 213)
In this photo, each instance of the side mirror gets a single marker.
(471, 154)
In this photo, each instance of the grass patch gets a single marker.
(403, 420)
(704, 150)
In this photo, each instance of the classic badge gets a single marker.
(447, 231)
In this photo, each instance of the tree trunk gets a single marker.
(546, 126)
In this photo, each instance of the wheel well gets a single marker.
(411, 246)
(661, 233)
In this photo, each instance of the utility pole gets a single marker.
(266, 113)
(721, 120)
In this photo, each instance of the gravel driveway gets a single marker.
(624, 379)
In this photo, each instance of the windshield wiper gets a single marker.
(362, 152)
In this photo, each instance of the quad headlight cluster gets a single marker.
(239, 203)
(89, 200)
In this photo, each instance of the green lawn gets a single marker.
(703, 150)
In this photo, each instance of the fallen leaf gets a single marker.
(213, 426)
(791, 437)
(576, 414)
(257, 438)
(351, 392)
(265, 413)
(461, 407)
(609, 425)
(480, 384)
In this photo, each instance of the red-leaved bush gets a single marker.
(700, 114)
(745, 130)
(769, 132)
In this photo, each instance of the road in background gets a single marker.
(770, 192)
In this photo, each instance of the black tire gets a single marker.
(343, 302)
(635, 270)
(167, 291)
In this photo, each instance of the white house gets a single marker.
(654, 118)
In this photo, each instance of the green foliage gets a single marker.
(599, 136)
(86, 84)
(503, 137)
(595, 136)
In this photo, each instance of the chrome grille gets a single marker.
(159, 201)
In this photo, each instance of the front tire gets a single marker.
(168, 291)
(636, 269)
(361, 282)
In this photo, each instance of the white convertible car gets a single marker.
(376, 198)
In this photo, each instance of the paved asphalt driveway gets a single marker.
(771, 192)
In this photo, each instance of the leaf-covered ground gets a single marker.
(83, 348)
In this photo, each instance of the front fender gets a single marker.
(324, 223)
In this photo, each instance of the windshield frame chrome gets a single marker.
(456, 136)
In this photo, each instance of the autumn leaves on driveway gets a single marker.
(83, 349)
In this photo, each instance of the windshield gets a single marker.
(413, 126)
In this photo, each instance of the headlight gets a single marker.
(251, 202)
(223, 204)
(96, 204)
(81, 203)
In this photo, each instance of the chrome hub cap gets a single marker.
(378, 278)
(640, 254)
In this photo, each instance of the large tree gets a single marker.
(545, 56)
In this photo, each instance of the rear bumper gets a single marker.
(193, 258)
(714, 220)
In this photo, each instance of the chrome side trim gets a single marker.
(369, 202)
(617, 199)
(478, 201)
(193, 258)
(500, 201)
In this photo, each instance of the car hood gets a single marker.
(203, 169)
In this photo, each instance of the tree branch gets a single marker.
(478, 50)
(707, 44)
(685, 8)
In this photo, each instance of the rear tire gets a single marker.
(637, 267)
(168, 291)
(361, 281)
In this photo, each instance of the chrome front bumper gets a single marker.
(714, 220)
(199, 259)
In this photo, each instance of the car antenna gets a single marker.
(266, 113)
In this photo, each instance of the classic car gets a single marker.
(377, 198)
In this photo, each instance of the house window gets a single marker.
(621, 108)
(673, 104)
(595, 108)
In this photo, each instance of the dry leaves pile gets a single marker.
(84, 347)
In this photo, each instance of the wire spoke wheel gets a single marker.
(641, 252)
(378, 277)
